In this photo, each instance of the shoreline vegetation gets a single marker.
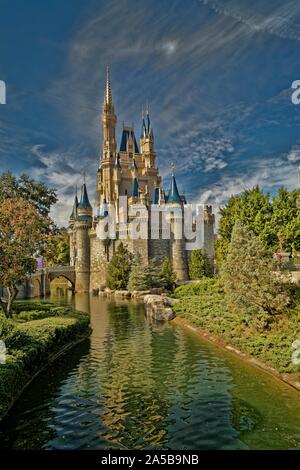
(202, 307)
(36, 335)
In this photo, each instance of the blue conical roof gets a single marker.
(125, 136)
(74, 209)
(143, 130)
(135, 188)
(174, 195)
(156, 196)
(84, 201)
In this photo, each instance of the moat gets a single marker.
(135, 384)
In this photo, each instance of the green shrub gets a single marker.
(33, 340)
(204, 305)
(202, 286)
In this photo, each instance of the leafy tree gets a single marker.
(38, 194)
(199, 265)
(144, 276)
(21, 233)
(276, 222)
(138, 277)
(56, 248)
(167, 275)
(119, 268)
(248, 274)
(285, 221)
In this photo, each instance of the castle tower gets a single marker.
(82, 227)
(105, 184)
(178, 253)
(72, 231)
(147, 142)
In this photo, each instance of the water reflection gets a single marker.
(136, 384)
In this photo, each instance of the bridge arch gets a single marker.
(68, 277)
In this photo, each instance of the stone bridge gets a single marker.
(39, 283)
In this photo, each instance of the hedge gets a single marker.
(37, 332)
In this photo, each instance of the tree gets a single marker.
(56, 248)
(199, 265)
(38, 194)
(167, 275)
(248, 274)
(119, 268)
(252, 208)
(21, 234)
(138, 277)
(143, 275)
(285, 221)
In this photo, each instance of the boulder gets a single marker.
(157, 308)
(139, 294)
(122, 293)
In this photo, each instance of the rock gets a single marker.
(169, 301)
(157, 290)
(95, 291)
(157, 309)
(122, 293)
(108, 291)
(139, 294)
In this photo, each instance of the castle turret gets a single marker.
(72, 231)
(109, 148)
(82, 227)
(147, 142)
(178, 253)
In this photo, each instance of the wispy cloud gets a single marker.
(63, 171)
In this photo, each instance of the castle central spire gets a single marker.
(108, 95)
(109, 120)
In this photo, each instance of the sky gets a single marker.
(217, 75)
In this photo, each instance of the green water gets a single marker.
(136, 384)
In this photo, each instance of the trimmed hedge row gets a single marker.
(204, 305)
(36, 332)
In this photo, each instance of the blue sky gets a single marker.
(217, 75)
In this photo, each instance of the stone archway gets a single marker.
(54, 276)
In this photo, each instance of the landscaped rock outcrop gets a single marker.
(159, 307)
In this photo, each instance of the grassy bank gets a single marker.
(37, 332)
(204, 306)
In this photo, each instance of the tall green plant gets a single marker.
(199, 265)
(249, 274)
(119, 268)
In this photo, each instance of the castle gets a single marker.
(130, 171)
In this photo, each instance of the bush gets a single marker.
(30, 343)
(204, 305)
(188, 290)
